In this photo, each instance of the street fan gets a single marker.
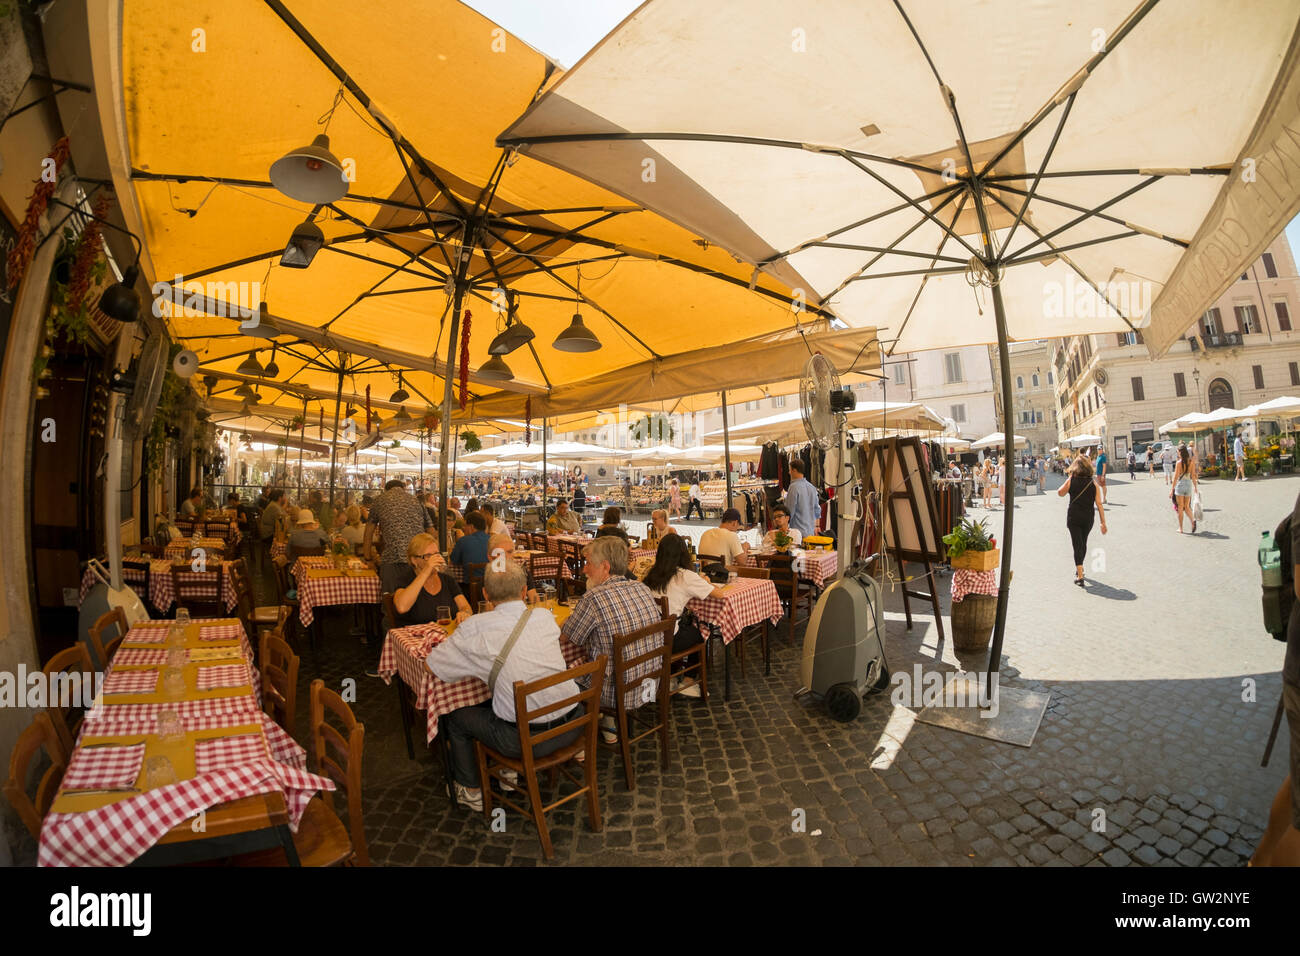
(843, 650)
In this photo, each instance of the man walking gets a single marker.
(1042, 473)
(1239, 455)
(1167, 456)
(695, 503)
(399, 517)
(1100, 464)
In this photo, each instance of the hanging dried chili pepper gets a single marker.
(464, 361)
(528, 420)
(84, 260)
(20, 256)
(367, 409)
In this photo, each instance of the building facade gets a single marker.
(1033, 394)
(1242, 351)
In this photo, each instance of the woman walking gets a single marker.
(1082, 490)
(674, 499)
(986, 482)
(1002, 481)
(1185, 485)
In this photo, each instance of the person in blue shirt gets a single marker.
(473, 547)
(801, 499)
(1100, 464)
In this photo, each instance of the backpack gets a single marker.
(1285, 596)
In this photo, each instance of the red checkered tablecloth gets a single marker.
(966, 581)
(140, 657)
(104, 768)
(337, 588)
(222, 675)
(134, 573)
(406, 650)
(523, 558)
(748, 601)
(815, 566)
(131, 682)
(221, 632)
(279, 549)
(184, 547)
(222, 752)
(553, 541)
(162, 591)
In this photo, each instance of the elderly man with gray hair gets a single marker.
(612, 606)
(527, 642)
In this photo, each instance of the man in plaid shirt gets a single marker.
(612, 606)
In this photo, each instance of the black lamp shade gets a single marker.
(515, 336)
(577, 337)
(496, 369)
(303, 246)
(120, 301)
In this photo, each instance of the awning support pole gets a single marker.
(544, 474)
(1008, 515)
(334, 445)
(302, 441)
(726, 445)
(453, 343)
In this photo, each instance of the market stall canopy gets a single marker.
(1083, 441)
(952, 444)
(998, 440)
(558, 451)
(898, 415)
(864, 158)
(1284, 407)
(411, 103)
(663, 455)
(715, 453)
(513, 450)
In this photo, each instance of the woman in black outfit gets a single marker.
(1078, 516)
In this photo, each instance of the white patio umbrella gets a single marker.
(901, 415)
(998, 440)
(953, 444)
(512, 450)
(1280, 408)
(953, 173)
(1083, 441)
(568, 451)
(715, 453)
(662, 455)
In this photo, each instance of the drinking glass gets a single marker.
(549, 595)
(176, 656)
(183, 616)
(175, 635)
(169, 725)
(482, 607)
(158, 772)
(174, 682)
(444, 615)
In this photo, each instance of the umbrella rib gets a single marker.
(1042, 167)
(1132, 171)
(519, 141)
(141, 175)
(926, 278)
(567, 264)
(349, 306)
(381, 262)
(1019, 253)
(550, 272)
(382, 236)
(888, 251)
(911, 202)
(1073, 83)
(1097, 215)
(1069, 262)
(861, 274)
(1057, 250)
(552, 241)
(406, 168)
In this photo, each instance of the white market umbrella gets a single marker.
(1280, 408)
(953, 444)
(1083, 441)
(662, 455)
(998, 440)
(716, 453)
(967, 173)
(567, 451)
(900, 415)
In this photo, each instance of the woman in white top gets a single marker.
(672, 577)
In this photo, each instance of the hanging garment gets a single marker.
(767, 460)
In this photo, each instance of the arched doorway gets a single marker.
(1220, 394)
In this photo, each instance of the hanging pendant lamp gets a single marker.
(577, 337)
(495, 369)
(310, 174)
(272, 370)
(250, 366)
(305, 242)
(401, 395)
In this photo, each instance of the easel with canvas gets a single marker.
(893, 470)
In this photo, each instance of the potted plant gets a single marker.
(471, 440)
(782, 541)
(970, 546)
(342, 552)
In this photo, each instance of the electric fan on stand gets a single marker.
(843, 647)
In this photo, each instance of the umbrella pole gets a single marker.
(1000, 622)
(726, 446)
(449, 373)
(334, 445)
(302, 434)
(543, 474)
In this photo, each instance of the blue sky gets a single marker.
(566, 29)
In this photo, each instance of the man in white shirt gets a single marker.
(722, 541)
(494, 524)
(1168, 456)
(1239, 455)
(781, 522)
(695, 503)
(471, 652)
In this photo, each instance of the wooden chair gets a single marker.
(405, 696)
(74, 660)
(627, 657)
(255, 619)
(699, 666)
(279, 666)
(571, 551)
(543, 568)
(280, 572)
(150, 550)
(792, 590)
(743, 571)
(296, 553)
(42, 734)
(585, 716)
(116, 619)
(708, 558)
(474, 581)
(200, 593)
(322, 839)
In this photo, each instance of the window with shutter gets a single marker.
(1180, 384)
(1259, 375)
(1295, 372)
(1283, 316)
(1138, 395)
(1270, 269)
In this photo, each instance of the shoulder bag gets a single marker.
(506, 649)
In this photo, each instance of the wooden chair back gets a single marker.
(663, 606)
(631, 652)
(390, 610)
(40, 735)
(474, 582)
(279, 666)
(200, 592)
(75, 662)
(338, 756)
(709, 558)
(296, 553)
(744, 571)
(116, 619)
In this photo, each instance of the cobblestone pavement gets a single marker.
(1146, 722)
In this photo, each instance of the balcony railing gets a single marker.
(1222, 341)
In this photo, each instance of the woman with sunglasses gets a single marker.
(429, 587)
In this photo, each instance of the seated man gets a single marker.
(494, 525)
(722, 541)
(504, 545)
(473, 548)
(472, 652)
(564, 521)
(190, 506)
(612, 606)
(659, 527)
(780, 522)
(612, 523)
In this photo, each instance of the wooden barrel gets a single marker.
(972, 621)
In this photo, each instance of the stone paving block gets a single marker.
(1116, 857)
(1168, 846)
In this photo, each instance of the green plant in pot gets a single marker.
(342, 552)
(782, 541)
(971, 546)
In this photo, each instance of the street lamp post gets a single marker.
(1196, 377)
